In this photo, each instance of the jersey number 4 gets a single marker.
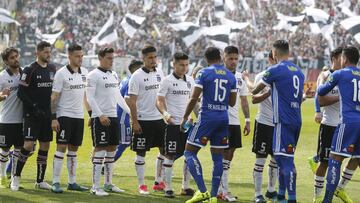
(220, 85)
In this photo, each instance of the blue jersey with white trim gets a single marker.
(287, 82)
(124, 118)
(348, 82)
(217, 83)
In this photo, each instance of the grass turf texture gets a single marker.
(241, 181)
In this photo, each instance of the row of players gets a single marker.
(144, 90)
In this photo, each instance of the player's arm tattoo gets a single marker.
(55, 96)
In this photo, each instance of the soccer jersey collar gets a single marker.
(177, 77)
(104, 70)
(11, 73)
(147, 70)
(71, 70)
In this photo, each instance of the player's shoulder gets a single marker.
(94, 73)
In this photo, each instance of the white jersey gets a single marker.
(242, 91)
(331, 113)
(71, 87)
(145, 85)
(11, 110)
(265, 112)
(177, 93)
(101, 92)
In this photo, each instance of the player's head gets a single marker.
(335, 57)
(231, 57)
(106, 57)
(43, 51)
(271, 59)
(149, 56)
(75, 55)
(11, 57)
(212, 56)
(196, 70)
(349, 56)
(181, 63)
(280, 50)
(134, 65)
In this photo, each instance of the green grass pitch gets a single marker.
(241, 181)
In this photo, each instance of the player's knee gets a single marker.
(29, 146)
(111, 148)
(44, 146)
(73, 148)
(61, 148)
(141, 153)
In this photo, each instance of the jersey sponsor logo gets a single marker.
(181, 92)
(220, 72)
(38, 77)
(158, 78)
(152, 87)
(104, 78)
(44, 84)
(10, 81)
(71, 79)
(82, 86)
(146, 79)
(175, 84)
(354, 72)
(111, 85)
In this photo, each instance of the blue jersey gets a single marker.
(348, 82)
(217, 83)
(287, 83)
(124, 118)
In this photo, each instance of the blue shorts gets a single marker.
(346, 140)
(285, 139)
(125, 133)
(214, 130)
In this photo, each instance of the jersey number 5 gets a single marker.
(219, 85)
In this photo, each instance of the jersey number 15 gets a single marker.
(219, 85)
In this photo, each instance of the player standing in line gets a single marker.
(287, 83)
(102, 93)
(346, 140)
(67, 99)
(11, 112)
(35, 92)
(263, 138)
(147, 123)
(330, 119)
(219, 90)
(231, 59)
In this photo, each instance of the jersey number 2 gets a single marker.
(219, 85)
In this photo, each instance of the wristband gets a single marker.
(53, 116)
(166, 115)
(90, 112)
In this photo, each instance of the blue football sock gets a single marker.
(217, 173)
(282, 183)
(332, 179)
(119, 151)
(195, 169)
(290, 177)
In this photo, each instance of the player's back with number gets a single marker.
(217, 84)
(287, 81)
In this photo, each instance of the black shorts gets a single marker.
(71, 131)
(235, 136)
(153, 133)
(263, 138)
(38, 128)
(11, 134)
(103, 136)
(325, 137)
(175, 140)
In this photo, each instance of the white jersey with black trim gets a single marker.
(265, 113)
(177, 93)
(145, 85)
(242, 90)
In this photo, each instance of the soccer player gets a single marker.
(147, 123)
(67, 99)
(346, 140)
(35, 92)
(330, 119)
(11, 110)
(263, 137)
(172, 98)
(231, 59)
(347, 174)
(102, 92)
(219, 90)
(287, 83)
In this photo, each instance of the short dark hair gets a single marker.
(212, 54)
(282, 46)
(105, 50)
(231, 50)
(6, 53)
(180, 56)
(271, 55)
(134, 63)
(336, 52)
(42, 45)
(148, 49)
(74, 47)
(352, 54)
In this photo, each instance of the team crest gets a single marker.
(158, 78)
(203, 140)
(83, 77)
(350, 148)
(224, 141)
(188, 84)
(290, 149)
(239, 82)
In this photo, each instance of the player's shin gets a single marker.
(332, 179)
(140, 169)
(217, 173)
(225, 176)
(97, 163)
(4, 157)
(258, 175)
(57, 166)
(109, 167)
(273, 175)
(41, 165)
(71, 162)
(196, 170)
(159, 168)
(168, 168)
(186, 176)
